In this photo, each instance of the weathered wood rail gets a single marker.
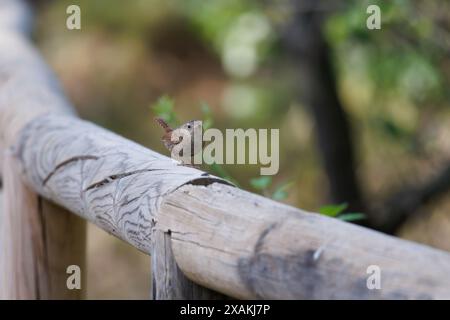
(205, 237)
(38, 239)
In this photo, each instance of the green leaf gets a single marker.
(163, 105)
(221, 172)
(279, 195)
(207, 123)
(205, 108)
(352, 216)
(333, 210)
(163, 108)
(280, 192)
(261, 183)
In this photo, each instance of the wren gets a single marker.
(170, 141)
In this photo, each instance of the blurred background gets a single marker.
(364, 115)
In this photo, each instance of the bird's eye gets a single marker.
(189, 126)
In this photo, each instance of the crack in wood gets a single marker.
(65, 163)
(181, 208)
(202, 245)
(118, 176)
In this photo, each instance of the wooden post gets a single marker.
(38, 242)
(168, 281)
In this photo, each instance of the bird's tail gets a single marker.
(163, 124)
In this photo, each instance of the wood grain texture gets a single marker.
(23, 271)
(38, 240)
(250, 247)
(111, 181)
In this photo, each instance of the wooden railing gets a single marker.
(206, 238)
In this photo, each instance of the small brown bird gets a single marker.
(192, 127)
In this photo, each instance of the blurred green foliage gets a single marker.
(282, 190)
(332, 210)
(338, 211)
(393, 82)
(163, 108)
(261, 183)
(208, 119)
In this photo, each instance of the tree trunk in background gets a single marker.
(303, 39)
